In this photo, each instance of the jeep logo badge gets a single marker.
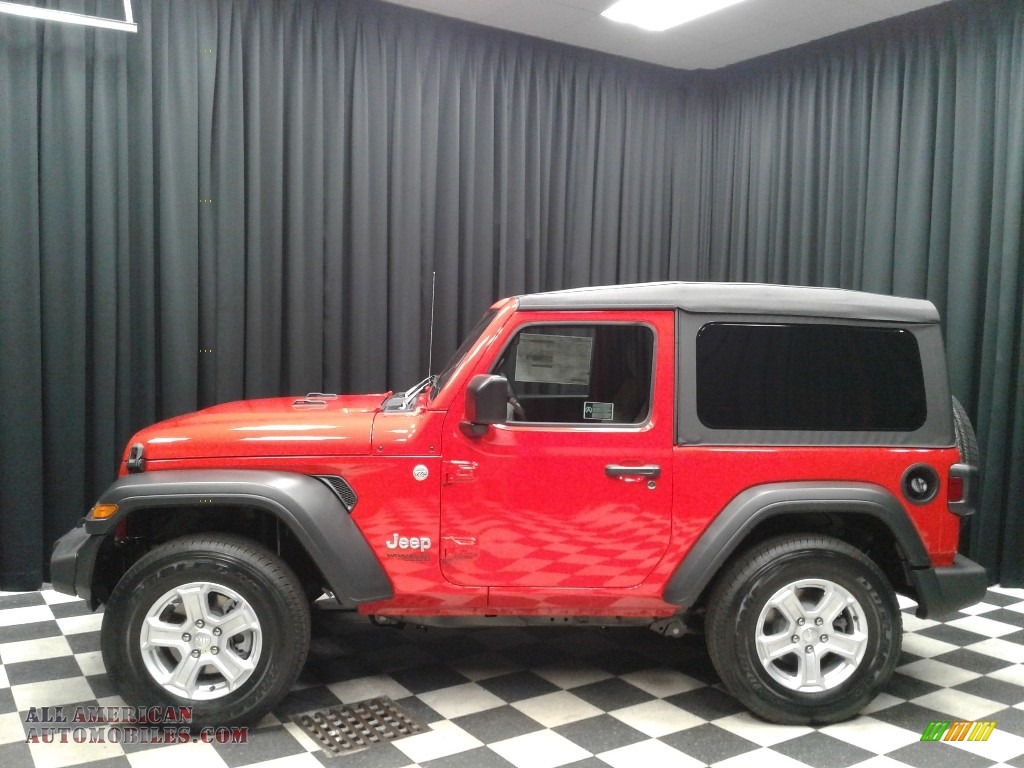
(420, 472)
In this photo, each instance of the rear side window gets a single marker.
(815, 377)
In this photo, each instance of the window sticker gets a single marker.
(599, 411)
(554, 359)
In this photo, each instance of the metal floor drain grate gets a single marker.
(346, 728)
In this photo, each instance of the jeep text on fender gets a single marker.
(769, 463)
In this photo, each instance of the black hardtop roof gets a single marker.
(738, 298)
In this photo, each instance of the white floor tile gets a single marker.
(1014, 675)
(58, 755)
(662, 682)
(648, 754)
(176, 756)
(758, 731)
(4, 682)
(1011, 591)
(657, 718)
(76, 625)
(872, 735)
(1001, 746)
(979, 608)
(51, 693)
(543, 749)
(760, 758)
(1000, 649)
(91, 663)
(983, 626)
(34, 650)
(959, 705)
(461, 700)
(880, 761)
(880, 702)
(926, 647)
(485, 665)
(559, 708)
(11, 728)
(572, 675)
(445, 738)
(364, 688)
(913, 624)
(12, 617)
(937, 672)
(52, 597)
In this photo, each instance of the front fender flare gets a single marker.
(755, 505)
(303, 504)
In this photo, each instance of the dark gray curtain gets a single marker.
(892, 160)
(249, 197)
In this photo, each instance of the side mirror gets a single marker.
(486, 400)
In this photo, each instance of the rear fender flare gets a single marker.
(755, 505)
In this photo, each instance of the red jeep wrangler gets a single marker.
(772, 464)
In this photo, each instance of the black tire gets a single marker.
(235, 579)
(966, 441)
(743, 607)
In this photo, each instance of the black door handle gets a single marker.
(623, 470)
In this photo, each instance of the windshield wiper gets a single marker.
(412, 393)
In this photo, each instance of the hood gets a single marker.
(280, 426)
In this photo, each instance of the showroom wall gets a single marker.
(249, 197)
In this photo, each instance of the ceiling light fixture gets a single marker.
(658, 15)
(49, 14)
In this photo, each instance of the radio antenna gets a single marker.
(430, 349)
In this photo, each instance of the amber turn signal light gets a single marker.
(103, 511)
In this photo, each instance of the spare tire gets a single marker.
(966, 442)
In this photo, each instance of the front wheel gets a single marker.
(804, 629)
(212, 622)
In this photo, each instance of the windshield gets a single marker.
(463, 350)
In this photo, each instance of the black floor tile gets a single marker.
(996, 690)
(23, 600)
(31, 631)
(707, 703)
(906, 687)
(600, 734)
(822, 751)
(260, 745)
(612, 694)
(497, 724)
(380, 756)
(954, 635)
(481, 757)
(428, 678)
(926, 754)
(709, 743)
(84, 642)
(973, 661)
(57, 668)
(518, 686)
(912, 717)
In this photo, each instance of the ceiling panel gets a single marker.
(743, 31)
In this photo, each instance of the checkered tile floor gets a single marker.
(540, 698)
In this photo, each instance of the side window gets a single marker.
(815, 377)
(580, 374)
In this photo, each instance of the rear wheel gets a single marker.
(216, 623)
(804, 629)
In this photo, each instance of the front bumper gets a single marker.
(941, 591)
(73, 562)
